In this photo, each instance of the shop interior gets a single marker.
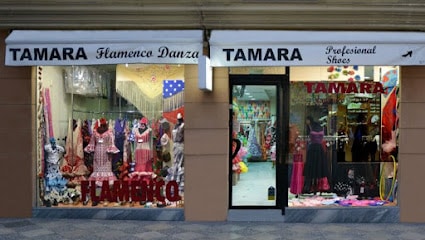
(254, 108)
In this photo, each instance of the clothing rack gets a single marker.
(108, 113)
(253, 121)
(94, 112)
(327, 138)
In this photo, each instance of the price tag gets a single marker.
(100, 140)
(140, 140)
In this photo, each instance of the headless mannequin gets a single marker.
(55, 183)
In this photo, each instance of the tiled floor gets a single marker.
(74, 229)
(252, 187)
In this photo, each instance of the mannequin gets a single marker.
(143, 155)
(55, 185)
(316, 171)
(177, 171)
(102, 144)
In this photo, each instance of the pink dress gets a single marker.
(297, 178)
(102, 144)
(143, 156)
(73, 165)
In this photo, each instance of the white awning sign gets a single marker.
(31, 48)
(291, 48)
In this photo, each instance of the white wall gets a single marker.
(52, 79)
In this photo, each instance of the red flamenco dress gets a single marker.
(297, 178)
(143, 155)
(73, 167)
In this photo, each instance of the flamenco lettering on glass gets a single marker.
(131, 191)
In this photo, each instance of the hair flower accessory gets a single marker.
(102, 121)
(144, 121)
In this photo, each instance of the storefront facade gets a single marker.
(206, 112)
(333, 97)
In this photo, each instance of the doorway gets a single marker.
(258, 128)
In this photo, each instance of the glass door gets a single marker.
(257, 175)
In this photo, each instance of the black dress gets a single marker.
(316, 169)
(359, 151)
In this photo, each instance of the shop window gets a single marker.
(110, 136)
(343, 136)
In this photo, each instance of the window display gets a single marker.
(352, 125)
(111, 135)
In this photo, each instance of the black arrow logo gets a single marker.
(408, 54)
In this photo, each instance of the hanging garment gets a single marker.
(297, 178)
(73, 167)
(176, 172)
(86, 132)
(119, 136)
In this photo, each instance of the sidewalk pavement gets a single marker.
(74, 229)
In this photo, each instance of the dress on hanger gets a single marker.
(86, 132)
(166, 144)
(74, 167)
(297, 178)
(119, 133)
(176, 173)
